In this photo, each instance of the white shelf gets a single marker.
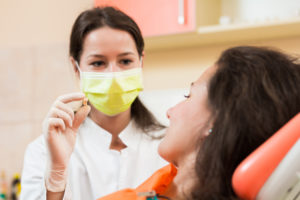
(222, 34)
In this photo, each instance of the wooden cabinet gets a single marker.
(158, 17)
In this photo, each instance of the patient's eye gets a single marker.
(187, 96)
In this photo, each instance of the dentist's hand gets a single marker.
(60, 129)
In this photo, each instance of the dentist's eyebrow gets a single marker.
(96, 55)
(126, 53)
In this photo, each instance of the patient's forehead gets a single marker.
(206, 75)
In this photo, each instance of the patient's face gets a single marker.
(189, 121)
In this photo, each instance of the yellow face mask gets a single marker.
(112, 92)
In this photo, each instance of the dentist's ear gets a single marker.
(73, 62)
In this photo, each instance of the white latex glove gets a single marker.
(60, 128)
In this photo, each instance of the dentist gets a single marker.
(112, 142)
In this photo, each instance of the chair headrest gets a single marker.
(253, 172)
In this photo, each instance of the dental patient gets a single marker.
(233, 107)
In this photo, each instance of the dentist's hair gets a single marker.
(96, 18)
(253, 93)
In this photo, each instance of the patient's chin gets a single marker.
(167, 153)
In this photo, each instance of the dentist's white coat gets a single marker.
(94, 169)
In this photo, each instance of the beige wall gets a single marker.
(178, 67)
(38, 22)
(34, 68)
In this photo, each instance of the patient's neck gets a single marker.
(184, 180)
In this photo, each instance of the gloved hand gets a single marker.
(60, 128)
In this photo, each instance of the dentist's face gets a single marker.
(189, 121)
(109, 50)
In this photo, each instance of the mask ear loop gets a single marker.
(80, 75)
(77, 66)
(141, 60)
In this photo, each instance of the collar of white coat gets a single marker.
(130, 136)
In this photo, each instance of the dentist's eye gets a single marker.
(98, 63)
(187, 96)
(126, 61)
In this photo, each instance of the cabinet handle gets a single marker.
(181, 12)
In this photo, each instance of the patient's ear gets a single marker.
(209, 129)
(207, 132)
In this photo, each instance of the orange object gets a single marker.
(85, 101)
(157, 17)
(253, 172)
(158, 182)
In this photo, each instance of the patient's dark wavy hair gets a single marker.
(253, 93)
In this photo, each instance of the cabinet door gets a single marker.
(158, 17)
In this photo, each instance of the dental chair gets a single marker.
(272, 171)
